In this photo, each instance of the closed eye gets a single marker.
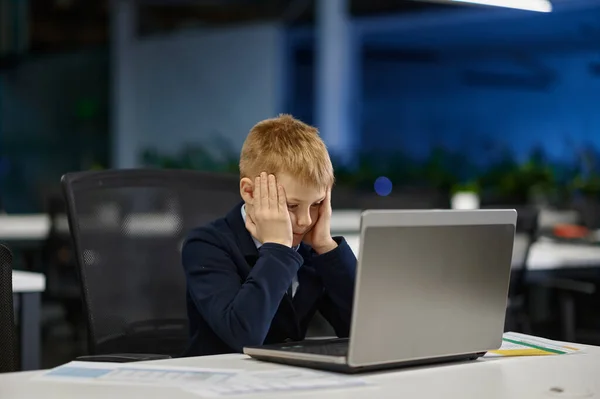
(317, 204)
(292, 206)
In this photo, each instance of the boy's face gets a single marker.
(303, 204)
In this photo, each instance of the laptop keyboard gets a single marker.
(327, 348)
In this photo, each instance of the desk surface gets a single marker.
(28, 282)
(543, 255)
(528, 377)
(24, 227)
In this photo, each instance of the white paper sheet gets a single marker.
(201, 381)
(280, 381)
(517, 344)
(135, 374)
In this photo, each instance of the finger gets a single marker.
(250, 212)
(264, 191)
(327, 202)
(251, 226)
(272, 192)
(256, 193)
(250, 217)
(282, 199)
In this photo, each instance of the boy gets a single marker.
(258, 275)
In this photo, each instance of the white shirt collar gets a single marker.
(256, 242)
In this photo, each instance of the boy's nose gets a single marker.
(304, 221)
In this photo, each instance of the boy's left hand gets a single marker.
(319, 237)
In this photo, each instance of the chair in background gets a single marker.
(128, 227)
(566, 289)
(518, 297)
(62, 297)
(8, 351)
(519, 309)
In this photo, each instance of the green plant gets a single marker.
(587, 179)
(510, 181)
(472, 186)
(194, 157)
(369, 165)
(588, 186)
(503, 180)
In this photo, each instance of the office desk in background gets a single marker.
(34, 227)
(27, 289)
(568, 376)
(544, 255)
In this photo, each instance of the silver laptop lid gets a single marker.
(430, 284)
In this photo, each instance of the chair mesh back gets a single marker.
(526, 231)
(526, 234)
(8, 357)
(128, 227)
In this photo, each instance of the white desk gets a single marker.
(28, 282)
(547, 255)
(24, 227)
(27, 288)
(531, 377)
(35, 227)
(543, 255)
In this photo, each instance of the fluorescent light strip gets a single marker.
(530, 5)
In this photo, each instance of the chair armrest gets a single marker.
(122, 357)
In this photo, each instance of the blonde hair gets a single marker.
(287, 145)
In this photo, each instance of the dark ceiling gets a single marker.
(67, 25)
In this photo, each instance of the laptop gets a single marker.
(431, 287)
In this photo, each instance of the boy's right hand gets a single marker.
(269, 219)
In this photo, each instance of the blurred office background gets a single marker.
(422, 104)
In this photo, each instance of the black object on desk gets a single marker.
(123, 358)
(8, 352)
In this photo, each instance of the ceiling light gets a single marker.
(530, 5)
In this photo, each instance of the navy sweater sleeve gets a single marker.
(337, 269)
(239, 312)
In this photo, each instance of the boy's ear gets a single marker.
(247, 189)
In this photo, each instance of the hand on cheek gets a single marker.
(319, 236)
(268, 219)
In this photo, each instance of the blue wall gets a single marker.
(481, 88)
(415, 106)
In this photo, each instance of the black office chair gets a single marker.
(526, 234)
(128, 227)
(8, 351)
(62, 297)
(518, 310)
(566, 289)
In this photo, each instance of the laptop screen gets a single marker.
(430, 291)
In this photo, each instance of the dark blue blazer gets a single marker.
(237, 294)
